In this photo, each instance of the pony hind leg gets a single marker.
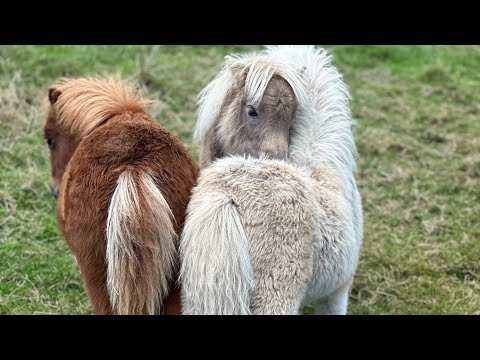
(334, 304)
(92, 267)
(279, 295)
(282, 266)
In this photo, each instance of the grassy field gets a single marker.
(418, 135)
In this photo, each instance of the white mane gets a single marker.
(321, 132)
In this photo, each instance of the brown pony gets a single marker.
(123, 184)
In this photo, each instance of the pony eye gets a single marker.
(51, 143)
(251, 111)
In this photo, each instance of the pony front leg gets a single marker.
(334, 304)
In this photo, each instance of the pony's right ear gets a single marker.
(53, 95)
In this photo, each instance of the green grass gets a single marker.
(418, 134)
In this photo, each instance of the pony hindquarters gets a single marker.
(118, 194)
(141, 252)
(247, 245)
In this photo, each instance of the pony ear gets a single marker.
(233, 65)
(53, 95)
(237, 70)
(232, 61)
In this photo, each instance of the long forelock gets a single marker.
(85, 103)
(261, 72)
(259, 75)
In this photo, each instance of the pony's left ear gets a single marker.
(233, 65)
(53, 95)
(237, 70)
(229, 60)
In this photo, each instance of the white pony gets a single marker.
(271, 234)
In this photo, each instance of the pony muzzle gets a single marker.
(54, 188)
(276, 149)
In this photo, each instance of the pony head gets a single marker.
(248, 109)
(77, 107)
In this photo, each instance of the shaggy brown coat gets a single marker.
(126, 139)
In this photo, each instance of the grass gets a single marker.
(418, 134)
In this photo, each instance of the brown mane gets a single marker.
(84, 103)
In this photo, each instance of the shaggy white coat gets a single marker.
(301, 218)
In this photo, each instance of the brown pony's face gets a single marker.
(262, 130)
(61, 145)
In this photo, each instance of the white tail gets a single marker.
(216, 273)
(141, 252)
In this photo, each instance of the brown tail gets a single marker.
(141, 252)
